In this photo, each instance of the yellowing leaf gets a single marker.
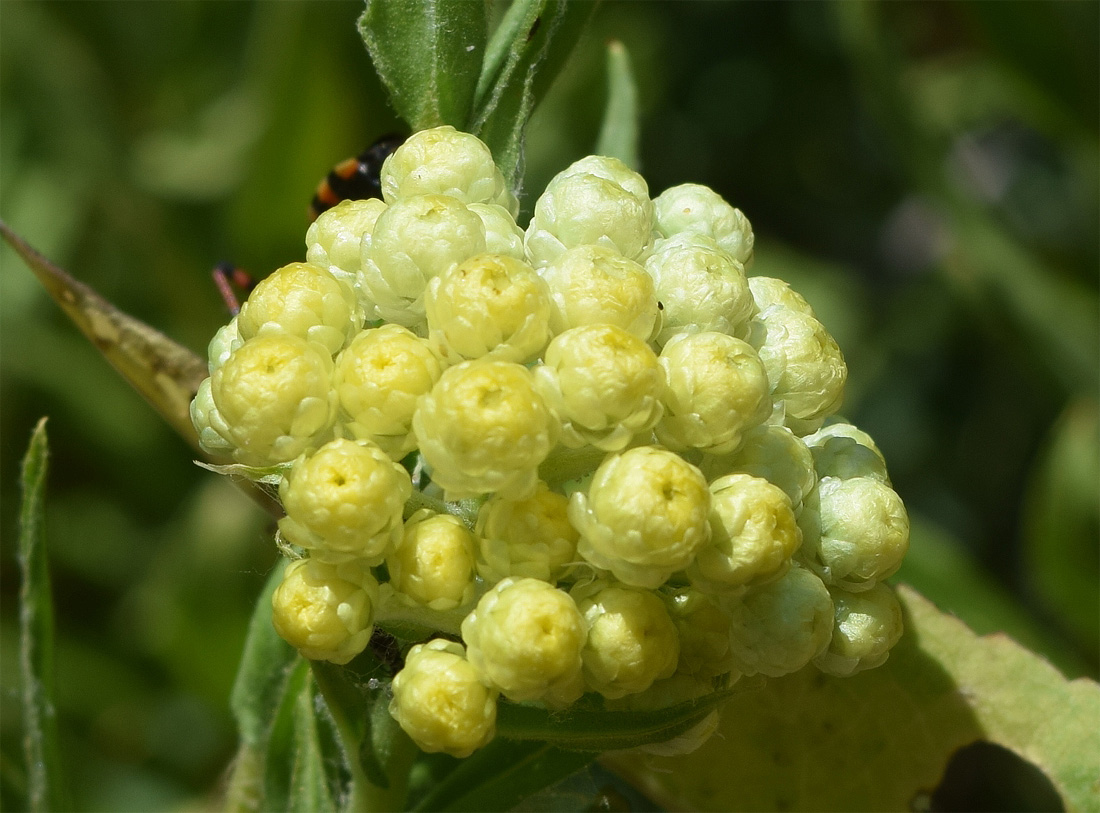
(881, 739)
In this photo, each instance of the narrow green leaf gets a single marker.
(619, 131)
(165, 373)
(46, 790)
(524, 57)
(280, 751)
(503, 774)
(880, 740)
(428, 54)
(309, 788)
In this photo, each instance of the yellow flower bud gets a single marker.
(433, 563)
(529, 538)
(334, 240)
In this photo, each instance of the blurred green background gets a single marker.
(925, 173)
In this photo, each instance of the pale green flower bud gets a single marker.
(202, 409)
(593, 285)
(704, 629)
(273, 398)
(484, 428)
(841, 450)
(769, 291)
(604, 384)
(491, 305)
(302, 300)
(855, 532)
(445, 161)
(700, 286)
(502, 235)
(774, 453)
(697, 209)
(378, 379)
(781, 626)
(344, 502)
(644, 516)
(325, 611)
(631, 639)
(334, 240)
(867, 625)
(581, 208)
(717, 389)
(440, 703)
(525, 638)
(805, 367)
(433, 563)
(753, 535)
(529, 538)
(415, 240)
(225, 341)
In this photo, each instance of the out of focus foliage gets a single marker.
(926, 173)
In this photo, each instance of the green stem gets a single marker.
(466, 510)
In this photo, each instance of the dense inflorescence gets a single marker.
(595, 449)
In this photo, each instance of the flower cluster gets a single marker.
(594, 449)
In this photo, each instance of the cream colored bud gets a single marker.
(841, 450)
(717, 389)
(644, 516)
(490, 305)
(774, 453)
(529, 538)
(483, 428)
(433, 562)
(700, 286)
(202, 410)
(344, 502)
(704, 629)
(604, 384)
(502, 235)
(334, 240)
(753, 535)
(631, 640)
(325, 611)
(594, 285)
(768, 291)
(866, 627)
(225, 341)
(378, 379)
(525, 638)
(274, 398)
(698, 209)
(440, 703)
(302, 300)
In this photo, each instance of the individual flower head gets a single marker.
(769, 291)
(334, 240)
(644, 516)
(529, 538)
(303, 300)
(225, 341)
(604, 383)
(805, 367)
(415, 240)
(866, 627)
(700, 286)
(593, 285)
(273, 399)
(445, 161)
(378, 379)
(774, 453)
(841, 450)
(753, 535)
(491, 304)
(202, 411)
(704, 630)
(325, 611)
(440, 703)
(525, 639)
(433, 561)
(483, 428)
(344, 502)
(779, 627)
(631, 640)
(502, 235)
(855, 532)
(717, 389)
(697, 209)
(598, 201)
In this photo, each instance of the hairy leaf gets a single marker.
(428, 54)
(309, 787)
(881, 739)
(46, 788)
(619, 131)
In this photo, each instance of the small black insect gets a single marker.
(354, 178)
